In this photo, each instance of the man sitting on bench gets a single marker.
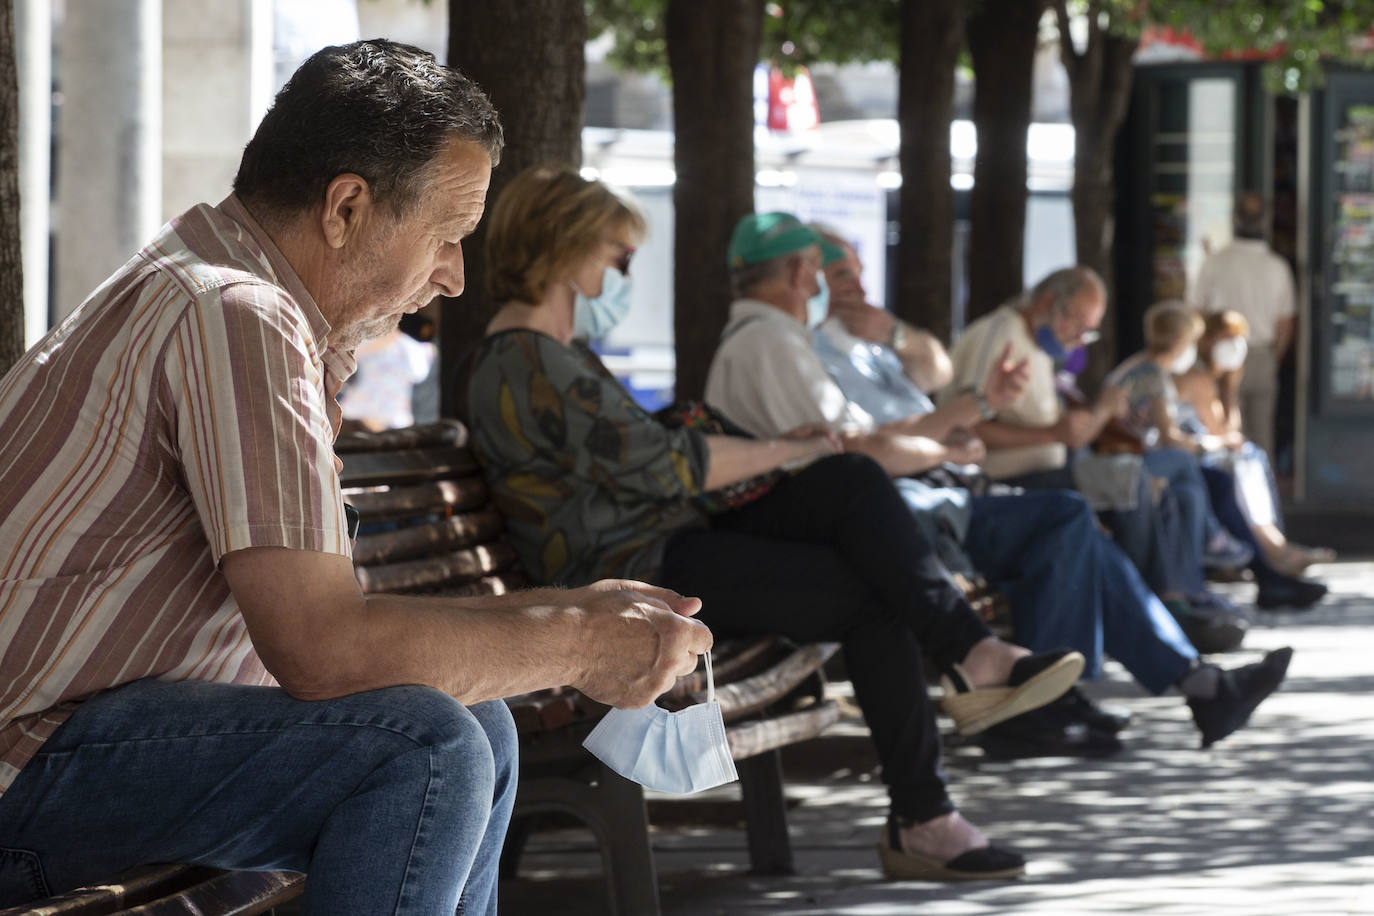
(173, 538)
(1067, 583)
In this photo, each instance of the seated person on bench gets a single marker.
(1172, 331)
(1068, 584)
(175, 546)
(591, 485)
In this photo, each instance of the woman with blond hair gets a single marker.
(822, 548)
(1202, 412)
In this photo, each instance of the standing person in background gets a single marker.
(1248, 277)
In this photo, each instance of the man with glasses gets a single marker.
(1038, 442)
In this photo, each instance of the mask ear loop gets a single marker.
(710, 680)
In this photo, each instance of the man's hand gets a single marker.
(963, 447)
(865, 321)
(1077, 427)
(638, 640)
(1006, 380)
(819, 435)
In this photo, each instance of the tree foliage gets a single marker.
(795, 32)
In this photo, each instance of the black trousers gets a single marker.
(832, 554)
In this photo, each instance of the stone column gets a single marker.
(33, 40)
(217, 56)
(109, 170)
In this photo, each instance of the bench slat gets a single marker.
(462, 530)
(370, 469)
(460, 566)
(753, 694)
(442, 497)
(748, 739)
(430, 435)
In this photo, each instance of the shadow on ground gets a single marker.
(1277, 819)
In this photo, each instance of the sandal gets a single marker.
(1034, 681)
(984, 863)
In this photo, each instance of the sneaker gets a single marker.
(1239, 692)
(1034, 681)
(1224, 551)
(1050, 731)
(1290, 595)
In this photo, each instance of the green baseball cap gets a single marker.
(830, 253)
(762, 237)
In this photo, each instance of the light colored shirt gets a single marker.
(184, 411)
(1144, 383)
(870, 375)
(767, 378)
(1037, 407)
(1247, 277)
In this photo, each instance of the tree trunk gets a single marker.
(530, 59)
(713, 46)
(931, 34)
(1099, 92)
(1002, 38)
(11, 255)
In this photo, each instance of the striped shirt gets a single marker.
(184, 411)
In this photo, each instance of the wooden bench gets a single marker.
(427, 528)
(173, 890)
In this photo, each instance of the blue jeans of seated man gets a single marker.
(1069, 585)
(392, 801)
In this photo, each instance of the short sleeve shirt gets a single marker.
(767, 377)
(1248, 277)
(1037, 407)
(870, 375)
(1144, 383)
(589, 484)
(181, 413)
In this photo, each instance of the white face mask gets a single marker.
(1185, 360)
(675, 752)
(818, 306)
(596, 316)
(1229, 355)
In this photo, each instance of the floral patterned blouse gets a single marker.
(590, 485)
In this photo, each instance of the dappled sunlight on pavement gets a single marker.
(1277, 819)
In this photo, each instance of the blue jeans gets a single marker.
(1071, 586)
(392, 801)
(1187, 501)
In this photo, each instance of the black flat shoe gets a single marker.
(1051, 731)
(1239, 692)
(1293, 595)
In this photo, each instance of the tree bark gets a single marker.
(1002, 38)
(931, 34)
(1099, 92)
(530, 59)
(713, 46)
(11, 254)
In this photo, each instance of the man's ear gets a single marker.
(348, 205)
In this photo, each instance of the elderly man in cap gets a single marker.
(1068, 584)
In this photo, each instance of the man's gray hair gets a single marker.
(749, 277)
(378, 109)
(1065, 285)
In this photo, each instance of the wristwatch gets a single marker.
(984, 408)
(897, 339)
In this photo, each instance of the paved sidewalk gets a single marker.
(1277, 819)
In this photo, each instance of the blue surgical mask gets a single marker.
(594, 318)
(676, 752)
(818, 306)
(1044, 336)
